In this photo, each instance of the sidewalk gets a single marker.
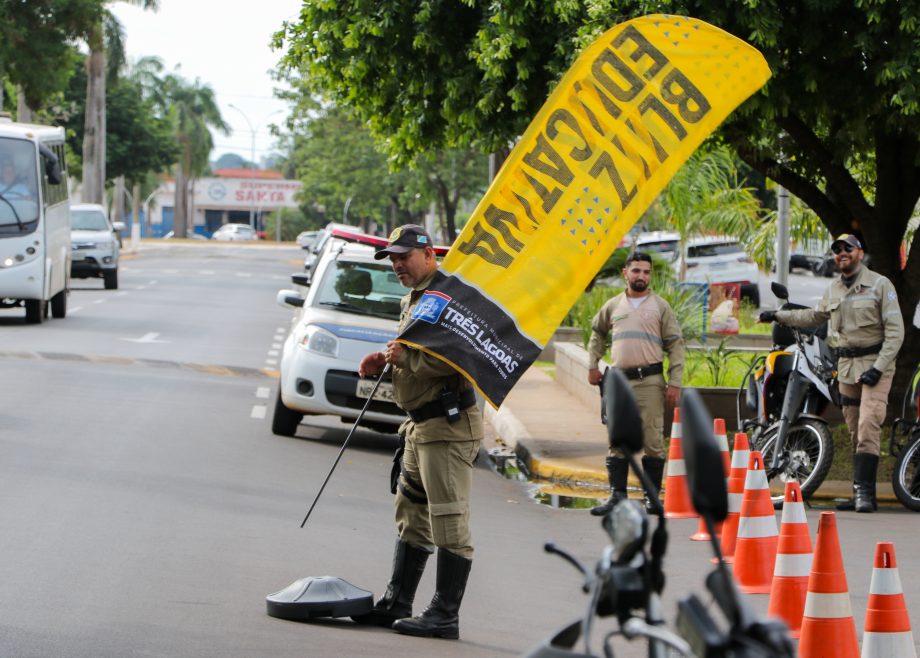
(561, 439)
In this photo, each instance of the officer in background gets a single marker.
(866, 331)
(442, 436)
(642, 328)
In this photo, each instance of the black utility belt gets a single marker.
(643, 371)
(858, 351)
(449, 404)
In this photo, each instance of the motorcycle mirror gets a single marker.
(626, 526)
(624, 424)
(705, 470)
(779, 291)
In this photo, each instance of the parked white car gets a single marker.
(233, 232)
(710, 259)
(94, 244)
(347, 309)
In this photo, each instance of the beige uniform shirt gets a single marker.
(866, 313)
(419, 378)
(638, 336)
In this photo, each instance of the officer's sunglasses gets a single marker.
(837, 248)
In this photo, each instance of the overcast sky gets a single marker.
(225, 45)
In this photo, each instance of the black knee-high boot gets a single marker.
(654, 468)
(396, 603)
(442, 616)
(617, 474)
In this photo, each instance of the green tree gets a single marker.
(36, 43)
(105, 39)
(837, 124)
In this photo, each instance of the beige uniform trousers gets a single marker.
(649, 394)
(865, 421)
(444, 469)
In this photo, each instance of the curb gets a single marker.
(568, 471)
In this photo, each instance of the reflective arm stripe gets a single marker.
(636, 335)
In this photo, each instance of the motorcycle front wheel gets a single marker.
(808, 453)
(905, 479)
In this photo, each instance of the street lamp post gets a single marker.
(252, 159)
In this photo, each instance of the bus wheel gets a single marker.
(35, 311)
(59, 304)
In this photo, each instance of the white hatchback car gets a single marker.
(710, 259)
(233, 232)
(351, 308)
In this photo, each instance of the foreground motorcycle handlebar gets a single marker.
(629, 576)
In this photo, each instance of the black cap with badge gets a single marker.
(405, 238)
(849, 239)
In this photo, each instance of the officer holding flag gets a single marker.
(442, 435)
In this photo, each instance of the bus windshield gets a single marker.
(18, 187)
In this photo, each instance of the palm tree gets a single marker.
(105, 35)
(706, 196)
(194, 111)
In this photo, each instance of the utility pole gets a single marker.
(782, 235)
(252, 160)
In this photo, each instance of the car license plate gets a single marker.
(718, 266)
(384, 391)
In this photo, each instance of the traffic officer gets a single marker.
(442, 435)
(866, 331)
(642, 328)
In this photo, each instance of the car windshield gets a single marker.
(88, 220)
(361, 288)
(18, 187)
(714, 249)
(657, 247)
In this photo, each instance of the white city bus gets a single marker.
(34, 220)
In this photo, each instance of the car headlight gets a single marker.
(316, 339)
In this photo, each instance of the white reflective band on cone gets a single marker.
(740, 459)
(828, 606)
(676, 467)
(734, 502)
(722, 440)
(792, 564)
(756, 479)
(885, 581)
(794, 513)
(752, 527)
(675, 431)
(889, 644)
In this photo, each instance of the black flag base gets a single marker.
(319, 596)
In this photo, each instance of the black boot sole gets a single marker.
(416, 631)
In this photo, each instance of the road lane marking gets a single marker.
(271, 362)
(99, 301)
(146, 338)
(276, 346)
(245, 275)
(121, 294)
(258, 411)
(273, 352)
(262, 392)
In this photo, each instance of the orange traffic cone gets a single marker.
(827, 627)
(740, 457)
(887, 630)
(755, 549)
(793, 562)
(677, 503)
(718, 429)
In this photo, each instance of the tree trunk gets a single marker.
(180, 207)
(23, 111)
(118, 200)
(135, 207)
(94, 129)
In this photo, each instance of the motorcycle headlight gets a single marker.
(319, 340)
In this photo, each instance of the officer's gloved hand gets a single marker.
(767, 316)
(870, 377)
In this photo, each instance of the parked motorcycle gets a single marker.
(629, 577)
(905, 446)
(788, 390)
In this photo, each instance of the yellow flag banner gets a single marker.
(630, 111)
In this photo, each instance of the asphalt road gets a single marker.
(147, 510)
